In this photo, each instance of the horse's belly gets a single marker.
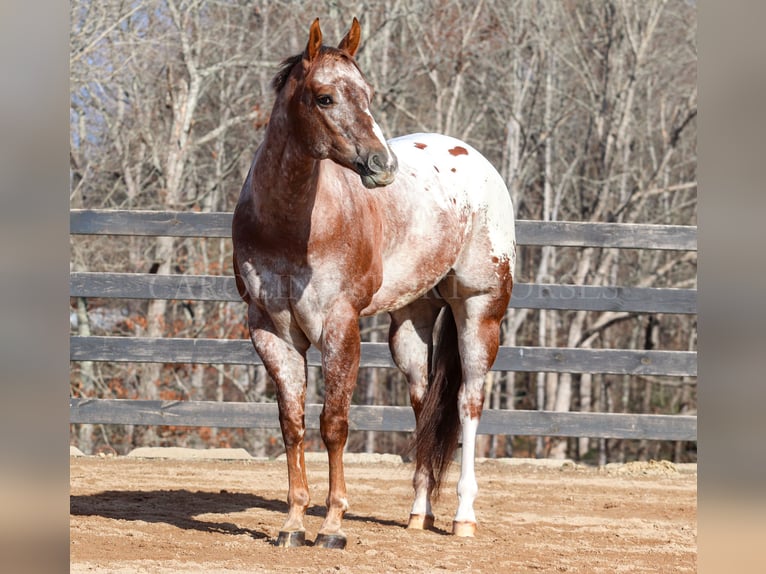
(418, 260)
(404, 284)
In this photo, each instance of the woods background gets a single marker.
(587, 109)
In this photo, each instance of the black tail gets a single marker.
(439, 422)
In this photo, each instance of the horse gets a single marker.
(335, 223)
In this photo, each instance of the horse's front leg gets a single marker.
(340, 363)
(286, 365)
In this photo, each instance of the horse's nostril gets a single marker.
(375, 162)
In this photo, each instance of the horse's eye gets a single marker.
(324, 100)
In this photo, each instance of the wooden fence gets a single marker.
(387, 418)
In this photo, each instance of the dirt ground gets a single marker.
(131, 515)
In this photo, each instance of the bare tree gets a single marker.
(588, 109)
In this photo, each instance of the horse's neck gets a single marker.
(283, 179)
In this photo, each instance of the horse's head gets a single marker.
(330, 108)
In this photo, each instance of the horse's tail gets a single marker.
(439, 422)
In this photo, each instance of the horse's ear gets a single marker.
(315, 41)
(350, 42)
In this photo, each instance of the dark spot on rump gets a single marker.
(453, 170)
(420, 145)
(495, 259)
(458, 150)
(436, 168)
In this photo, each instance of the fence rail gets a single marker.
(382, 418)
(387, 418)
(556, 233)
(525, 295)
(519, 359)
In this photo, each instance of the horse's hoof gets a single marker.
(465, 529)
(331, 541)
(420, 522)
(291, 539)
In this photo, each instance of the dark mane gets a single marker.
(285, 67)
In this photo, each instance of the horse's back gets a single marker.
(447, 213)
(464, 178)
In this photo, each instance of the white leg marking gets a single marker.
(421, 504)
(467, 488)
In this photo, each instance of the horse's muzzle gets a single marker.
(378, 170)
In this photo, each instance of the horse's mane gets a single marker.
(285, 67)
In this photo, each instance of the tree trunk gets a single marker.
(87, 378)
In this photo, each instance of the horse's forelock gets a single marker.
(287, 65)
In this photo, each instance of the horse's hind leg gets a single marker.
(411, 341)
(478, 322)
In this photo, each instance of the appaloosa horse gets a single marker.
(334, 223)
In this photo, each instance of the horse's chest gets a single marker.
(284, 291)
